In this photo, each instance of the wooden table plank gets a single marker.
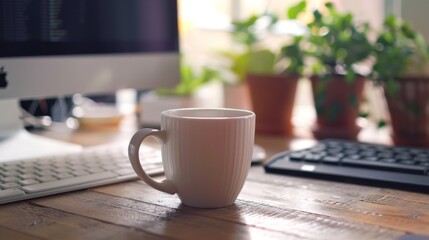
(6, 233)
(262, 215)
(397, 210)
(400, 210)
(152, 218)
(47, 223)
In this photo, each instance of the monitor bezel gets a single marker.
(52, 76)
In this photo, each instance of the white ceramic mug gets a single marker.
(206, 154)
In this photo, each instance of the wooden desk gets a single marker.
(269, 207)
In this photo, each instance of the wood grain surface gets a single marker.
(270, 206)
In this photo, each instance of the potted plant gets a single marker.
(273, 92)
(247, 36)
(335, 45)
(401, 68)
(271, 88)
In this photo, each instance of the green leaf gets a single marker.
(240, 65)
(364, 114)
(407, 30)
(294, 55)
(246, 23)
(329, 5)
(317, 16)
(390, 21)
(261, 62)
(422, 46)
(190, 81)
(392, 87)
(381, 124)
(348, 19)
(321, 87)
(294, 11)
(186, 73)
(350, 77)
(208, 74)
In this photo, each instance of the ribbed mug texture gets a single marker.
(207, 158)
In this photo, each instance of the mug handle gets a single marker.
(165, 185)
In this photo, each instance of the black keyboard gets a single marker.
(369, 164)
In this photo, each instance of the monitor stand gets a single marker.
(17, 143)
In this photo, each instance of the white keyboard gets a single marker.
(96, 166)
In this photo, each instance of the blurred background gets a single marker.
(225, 42)
(205, 30)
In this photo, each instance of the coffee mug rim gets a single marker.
(246, 113)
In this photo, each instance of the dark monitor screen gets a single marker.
(64, 27)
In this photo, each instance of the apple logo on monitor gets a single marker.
(3, 82)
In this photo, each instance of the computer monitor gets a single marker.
(54, 48)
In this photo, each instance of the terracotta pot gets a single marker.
(337, 107)
(272, 98)
(409, 112)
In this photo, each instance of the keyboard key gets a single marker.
(68, 182)
(124, 165)
(28, 182)
(424, 164)
(368, 153)
(9, 185)
(311, 158)
(47, 179)
(44, 167)
(79, 173)
(385, 154)
(28, 176)
(371, 159)
(387, 165)
(10, 168)
(26, 170)
(333, 151)
(96, 170)
(421, 159)
(402, 157)
(109, 167)
(61, 170)
(63, 175)
(9, 179)
(407, 162)
(351, 151)
(296, 156)
(124, 171)
(331, 159)
(10, 173)
(388, 160)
